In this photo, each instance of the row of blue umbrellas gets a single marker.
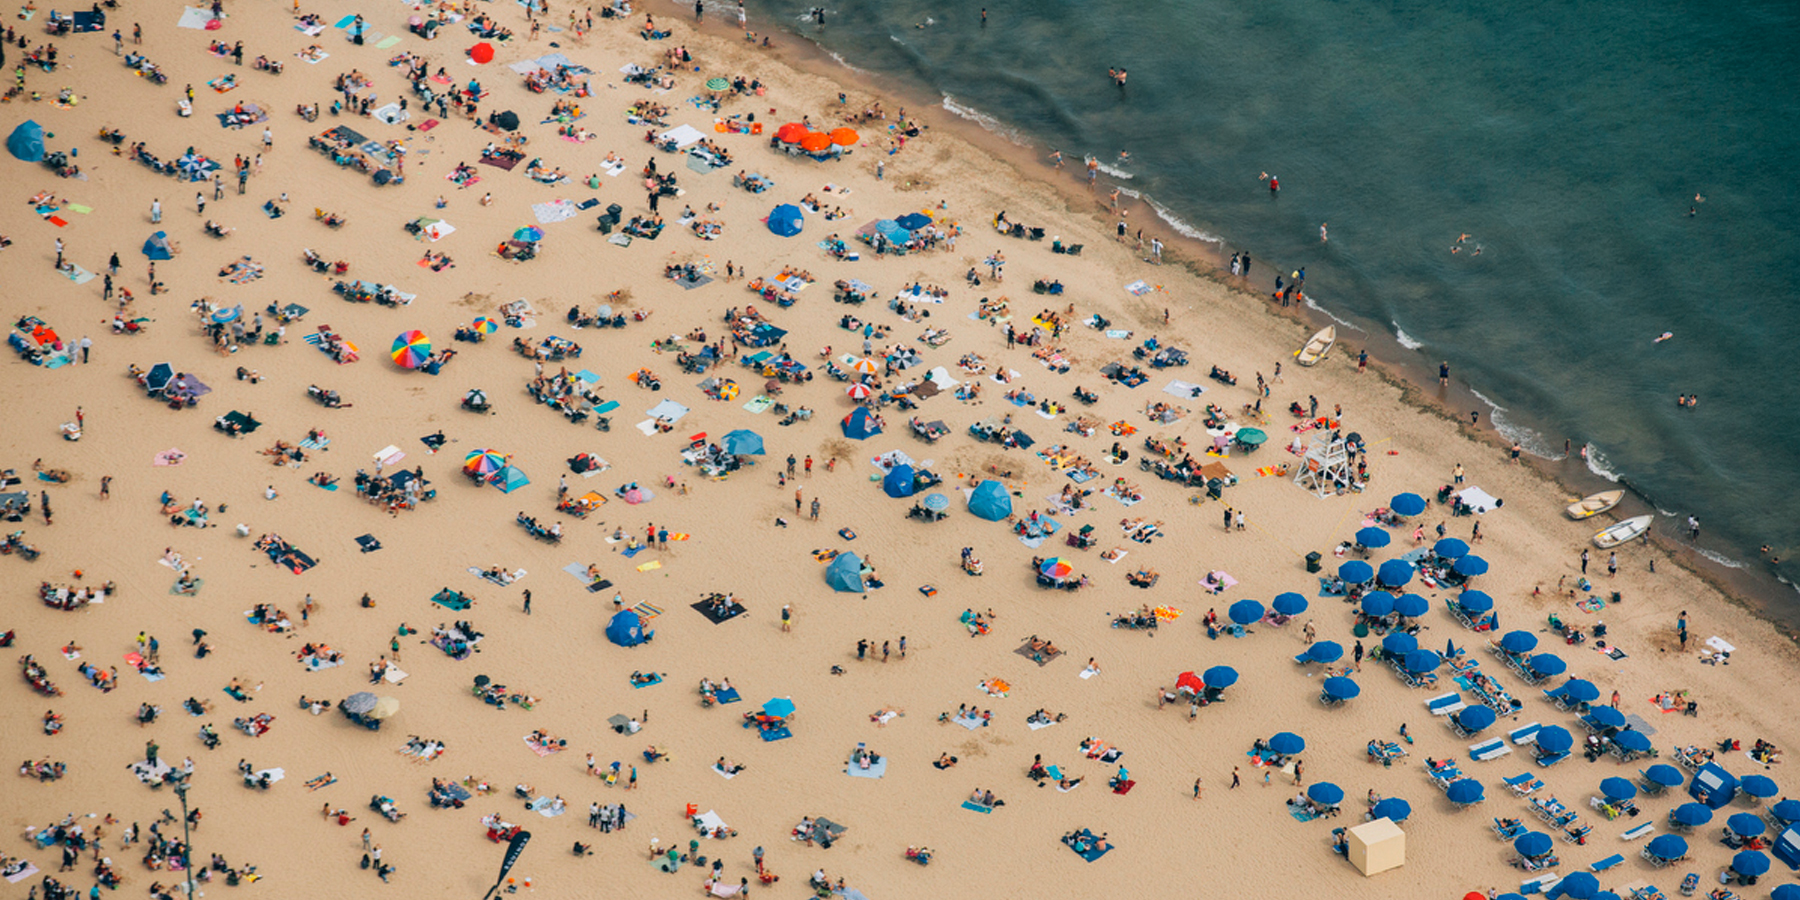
(1380, 603)
(1397, 572)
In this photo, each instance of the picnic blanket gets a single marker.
(553, 211)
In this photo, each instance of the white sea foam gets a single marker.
(1406, 340)
(1116, 173)
(845, 63)
(1528, 439)
(1315, 307)
(1725, 561)
(1666, 513)
(1598, 464)
(1181, 227)
(987, 122)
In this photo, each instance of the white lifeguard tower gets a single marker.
(1325, 466)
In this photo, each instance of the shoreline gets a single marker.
(1756, 587)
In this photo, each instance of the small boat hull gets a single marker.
(1317, 347)
(1595, 504)
(1622, 532)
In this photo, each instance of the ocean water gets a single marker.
(1567, 140)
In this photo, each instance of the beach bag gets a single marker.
(365, 860)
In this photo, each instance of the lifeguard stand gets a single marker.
(1326, 465)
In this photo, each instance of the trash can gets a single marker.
(1312, 561)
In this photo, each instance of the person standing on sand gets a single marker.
(1357, 655)
(527, 594)
(1197, 789)
(1584, 561)
(1234, 779)
(1681, 628)
(787, 617)
(1444, 374)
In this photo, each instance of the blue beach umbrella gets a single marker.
(1325, 652)
(1746, 824)
(1555, 739)
(1664, 774)
(1667, 846)
(1337, 687)
(1244, 612)
(1373, 538)
(1606, 895)
(779, 707)
(1474, 718)
(1786, 811)
(1471, 566)
(1761, 786)
(743, 442)
(1464, 791)
(1399, 644)
(1219, 677)
(1289, 604)
(1411, 605)
(1786, 892)
(1607, 717)
(1419, 662)
(1474, 602)
(1510, 896)
(1616, 788)
(1634, 741)
(1394, 573)
(1392, 808)
(1356, 572)
(1377, 603)
(1750, 863)
(1518, 642)
(1577, 886)
(1581, 690)
(1533, 844)
(1287, 743)
(937, 502)
(1451, 548)
(1408, 504)
(1547, 664)
(1325, 793)
(1692, 815)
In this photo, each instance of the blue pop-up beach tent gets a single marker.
(1713, 786)
(157, 246)
(627, 630)
(860, 424)
(899, 481)
(27, 142)
(845, 574)
(786, 220)
(508, 479)
(1787, 847)
(990, 501)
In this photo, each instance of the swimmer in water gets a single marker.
(1477, 250)
(1124, 157)
(1663, 337)
(1462, 237)
(1322, 237)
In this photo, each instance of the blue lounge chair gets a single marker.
(1523, 784)
(1607, 863)
(1524, 734)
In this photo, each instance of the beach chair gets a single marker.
(1524, 734)
(1647, 892)
(1653, 859)
(1557, 697)
(1689, 883)
(1445, 704)
(1522, 784)
(1577, 833)
(1488, 750)
(1638, 831)
(1607, 863)
(1539, 884)
(1547, 760)
(1507, 830)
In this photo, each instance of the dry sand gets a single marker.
(1165, 839)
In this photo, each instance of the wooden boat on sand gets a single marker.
(1317, 347)
(1595, 504)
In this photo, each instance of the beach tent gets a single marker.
(743, 442)
(860, 424)
(27, 142)
(845, 574)
(913, 221)
(508, 479)
(899, 482)
(1787, 847)
(990, 501)
(1713, 786)
(157, 247)
(1375, 847)
(627, 629)
(786, 220)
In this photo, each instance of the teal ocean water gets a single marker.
(1568, 140)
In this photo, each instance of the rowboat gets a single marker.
(1595, 504)
(1622, 532)
(1317, 346)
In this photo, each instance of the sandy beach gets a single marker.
(750, 532)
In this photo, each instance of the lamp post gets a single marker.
(187, 846)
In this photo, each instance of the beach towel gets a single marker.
(1137, 288)
(647, 611)
(969, 722)
(976, 807)
(22, 874)
(450, 599)
(540, 749)
(1479, 500)
(328, 779)
(1184, 389)
(387, 42)
(705, 608)
(1124, 787)
(728, 695)
(553, 211)
(651, 565)
(759, 404)
(875, 770)
(655, 678)
(197, 19)
(722, 773)
(543, 807)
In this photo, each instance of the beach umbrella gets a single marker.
(1474, 718)
(786, 220)
(159, 377)
(1325, 793)
(485, 325)
(1533, 844)
(1399, 644)
(225, 316)
(483, 462)
(1057, 568)
(1580, 690)
(791, 133)
(937, 502)
(1325, 652)
(1547, 664)
(1373, 538)
(1474, 602)
(384, 708)
(1378, 603)
(1786, 892)
(1219, 677)
(411, 348)
(865, 366)
(844, 137)
(1411, 605)
(530, 234)
(1337, 687)
(482, 53)
(1289, 604)
(1634, 741)
(1451, 548)
(1607, 717)
(1407, 504)
(1746, 824)
(1464, 791)
(1667, 846)
(637, 496)
(358, 703)
(845, 574)
(1555, 739)
(1692, 815)
(1244, 612)
(779, 707)
(1287, 743)
(743, 442)
(1616, 788)
(1256, 437)
(1761, 786)
(717, 84)
(1394, 573)
(1577, 886)
(816, 142)
(1419, 662)
(1664, 774)
(1471, 566)
(1391, 808)
(1190, 682)
(858, 391)
(1786, 811)
(1356, 572)
(1518, 642)
(1751, 863)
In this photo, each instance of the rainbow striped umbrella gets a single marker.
(484, 462)
(411, 348)
(486, 325)
(1058, 568)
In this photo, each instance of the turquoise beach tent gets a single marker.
(157, 246)
(509, 479)
(27, 142)
(845, 574)
(990, 501)
(627, 630)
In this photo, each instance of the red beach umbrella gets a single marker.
(791, 133)
(482, 53)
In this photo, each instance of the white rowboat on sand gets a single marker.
(1595, 504)
(1317, 346)
(1622, 532)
